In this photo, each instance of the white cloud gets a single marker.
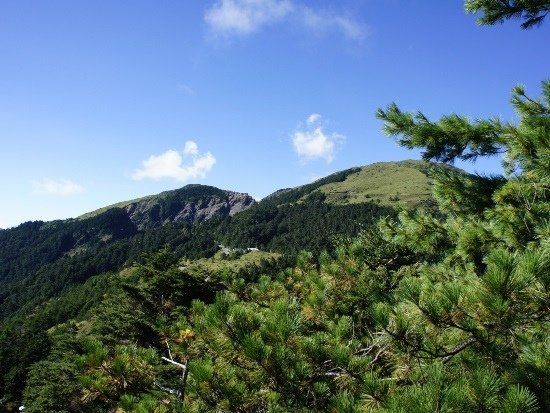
(60, 188)
(243, 17)
(191, 148)
(322, 22)
(314, 143)
(170, 164)
(313, 118)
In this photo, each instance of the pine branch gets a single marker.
(450, 354)
(185, 372)
(532, 12)
(166, 389)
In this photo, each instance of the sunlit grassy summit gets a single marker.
(388, 183)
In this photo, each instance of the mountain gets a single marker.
(388, 183)
(191, 204)
(288, 220)
(252, 329)
(50, 256)
(407, 183)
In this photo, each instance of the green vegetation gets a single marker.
(291, 195)
(122, 204)
(289, 228)
(388, 183)
(41, 263)
(440, 309)
(532, 12)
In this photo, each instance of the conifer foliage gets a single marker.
(532, 12)
(476, 323)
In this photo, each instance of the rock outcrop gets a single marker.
(191, 204)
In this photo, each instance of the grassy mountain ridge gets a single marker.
(407, 183)
(409, 180)
(288, 195)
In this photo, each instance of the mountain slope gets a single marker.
(191, 204)
(291, 219)
(388, 183)
(407, 183)
(289, 195)
(274, 222)
(39, 259)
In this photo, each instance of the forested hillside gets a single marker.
(39, 259)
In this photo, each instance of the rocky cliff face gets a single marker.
(191, 204)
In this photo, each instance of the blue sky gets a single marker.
(108, 100)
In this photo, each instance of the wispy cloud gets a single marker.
(185, 89)
(322, 22)
(243, 17)
(63, 187)
(313, 118)
(189, 164)
(191, 148)
(314, 142)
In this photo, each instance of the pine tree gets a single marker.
(470, 331)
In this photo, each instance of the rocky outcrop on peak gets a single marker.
(191, 204)
(239, 202)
